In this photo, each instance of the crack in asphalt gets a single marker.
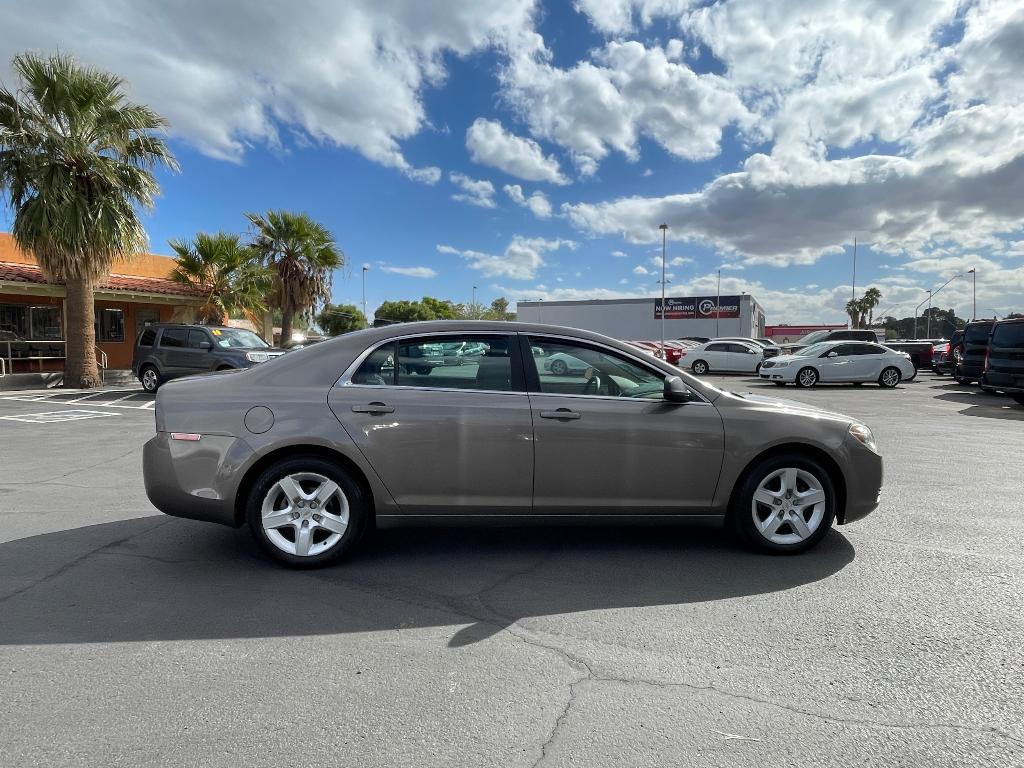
(80, 559)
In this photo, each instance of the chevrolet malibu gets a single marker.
(314, 448)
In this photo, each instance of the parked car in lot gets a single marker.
(970, 363)
(919, 350)
(167, 351)
(671, 352)
(832, 362)
(771, 349)
(1004, 362)
(725, 357)
(943, 353)
(816, 337)
(562, 364)
(318, 446)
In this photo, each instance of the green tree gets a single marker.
(336, 319)
(853, 310)
(300, 253)
(406, 311)
(872, 298)
(499, 311)
(228, 272)
(77, 160)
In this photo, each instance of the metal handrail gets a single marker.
(101, 363)
(3, 367)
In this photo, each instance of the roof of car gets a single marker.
(194, 325)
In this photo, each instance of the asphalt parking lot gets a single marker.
(132, 639)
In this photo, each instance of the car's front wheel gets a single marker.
(559, 368)
(306, 512)
(807, 377)
(784, 505)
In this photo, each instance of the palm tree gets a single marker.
(301, 254)
(853, 310)
(77, 158)
(227, 272)
(872, 298)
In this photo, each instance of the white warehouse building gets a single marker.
(640, 319)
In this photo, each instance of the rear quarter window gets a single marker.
(1008, 335)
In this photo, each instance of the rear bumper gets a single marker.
(194, 480)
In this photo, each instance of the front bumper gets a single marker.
(195, 480)
(864, 477)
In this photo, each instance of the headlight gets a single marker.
(257, 357)
(784, 364)
(863, 435)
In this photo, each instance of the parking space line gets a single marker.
(52, 417)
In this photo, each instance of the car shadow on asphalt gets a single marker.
(983, 404)
(165, 579)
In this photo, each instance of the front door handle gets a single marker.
(561, 413)
(373, 408)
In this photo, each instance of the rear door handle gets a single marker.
(561, 413)
(373, 408)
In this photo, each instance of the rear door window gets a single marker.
(174, 337)
(445, 362)
(196, 339)
(1009, 335)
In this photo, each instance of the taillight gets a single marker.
(988, 352)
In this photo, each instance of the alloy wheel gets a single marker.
(305, 514)
(788, 506)
(150, 380)
(890, 377)
(808, 377)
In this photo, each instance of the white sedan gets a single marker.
(840, 361)
(724, 357)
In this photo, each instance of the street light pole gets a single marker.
(664, 236)
(929, 300)
(475, 311)
(853, 289)
(928, 324)
(973, 272)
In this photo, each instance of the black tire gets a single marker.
(357, 503)
(882, 377)
(150, 378)
(1018, 398)
(806, 377)
(858, 383)
(700, 367)
(559, 367)
(740, 517)
(225, 368)
(779, 383)
(423, 370)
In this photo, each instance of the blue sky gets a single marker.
(897, 123)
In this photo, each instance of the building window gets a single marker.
(109, 325)
(32, 323)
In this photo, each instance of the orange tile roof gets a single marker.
(30, 273)
(143, 273)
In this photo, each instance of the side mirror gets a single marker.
(833, 353)
(205, 345)
(676, 391)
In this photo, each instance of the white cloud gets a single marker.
(423, 272)
(476, 192)
(490, 144)
(537, 202)
(619, 254)
(617, 16)
(229, 75)
(640, 269)
(522, 257)
(625, 92)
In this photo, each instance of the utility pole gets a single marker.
(928, 325)
(664, 235)
(365, 270)
(853, 289)
(476, 310)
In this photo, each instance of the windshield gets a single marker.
(812, 337)
(814, 349)
(237, 338)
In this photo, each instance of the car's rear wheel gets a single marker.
(699, 367)
(806, 377)
(785, 504)
(306, 512)
(889, 377)
(150, 378)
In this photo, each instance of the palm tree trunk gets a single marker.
(287, 320)
(80, 368)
